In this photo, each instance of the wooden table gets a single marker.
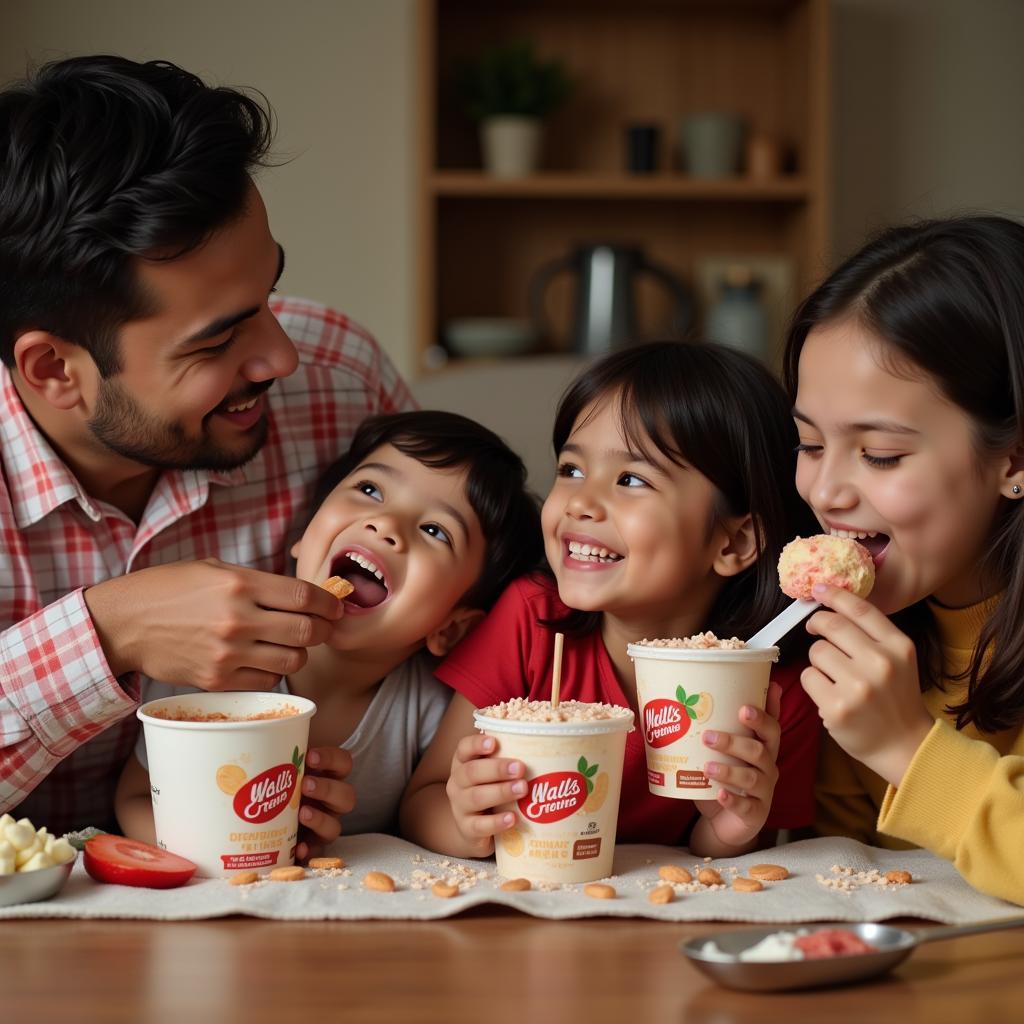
(488, 965)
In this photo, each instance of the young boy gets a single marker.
(428, 517)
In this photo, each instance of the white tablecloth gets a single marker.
(937, 893)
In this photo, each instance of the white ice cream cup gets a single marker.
(226, 792)
(565, 825)
(681, 692)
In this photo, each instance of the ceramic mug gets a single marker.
(711, 144)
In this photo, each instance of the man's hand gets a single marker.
(325, 798)
(209, 624)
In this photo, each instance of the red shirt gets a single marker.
(510, 655)
(66, 724)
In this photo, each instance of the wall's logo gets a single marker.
(266, 795)
(666, 721)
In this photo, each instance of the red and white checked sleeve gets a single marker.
(336, 340)
(56, 692)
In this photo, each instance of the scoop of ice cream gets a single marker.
(837, 561)
(698, 642)
(520, 709)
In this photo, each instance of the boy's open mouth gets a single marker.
(371, 588)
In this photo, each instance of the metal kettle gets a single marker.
(604, 316)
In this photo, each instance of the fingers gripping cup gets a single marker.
(225, 771)
(683, 690)
(573, 754)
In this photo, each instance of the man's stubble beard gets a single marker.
(121, 425)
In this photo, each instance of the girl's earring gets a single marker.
(1016, 488)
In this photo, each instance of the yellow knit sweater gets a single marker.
(963, 794)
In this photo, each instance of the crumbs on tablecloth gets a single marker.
(848, 880)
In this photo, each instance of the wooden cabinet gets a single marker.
(482, 239)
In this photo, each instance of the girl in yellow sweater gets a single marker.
(907, 372)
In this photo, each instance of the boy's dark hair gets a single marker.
(495, 486)
(104, 160)
(724, 414)
(945, 300)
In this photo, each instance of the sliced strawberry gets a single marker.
(829, 942)
(129, 862)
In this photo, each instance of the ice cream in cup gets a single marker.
(685, 686)
(573, 755)
(225, 773)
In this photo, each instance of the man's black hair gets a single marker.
(495, 487)
(105, 160)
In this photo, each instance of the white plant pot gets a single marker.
(511, 146)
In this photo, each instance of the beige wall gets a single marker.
(339, 74)
(927, 101)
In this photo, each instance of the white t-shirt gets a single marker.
(385, 747)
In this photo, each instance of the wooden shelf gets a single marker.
(453, 184)
(483, 240)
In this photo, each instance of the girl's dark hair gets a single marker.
(103, 160)
(947, 297)
(724, 414)
(495, 486)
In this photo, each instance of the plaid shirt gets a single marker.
(66, 724)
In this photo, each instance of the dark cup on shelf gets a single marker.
(643, 142)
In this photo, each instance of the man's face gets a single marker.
(193, 375)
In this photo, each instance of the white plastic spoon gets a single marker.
(770, 635)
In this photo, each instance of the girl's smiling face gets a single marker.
(627, 532)
(890, 455)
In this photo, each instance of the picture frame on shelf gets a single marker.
(776, 274)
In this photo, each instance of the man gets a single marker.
(159, 429)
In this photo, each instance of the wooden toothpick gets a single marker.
(556, 674)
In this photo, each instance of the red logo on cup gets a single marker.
(665, 721)
(553, 797)
(266, 796)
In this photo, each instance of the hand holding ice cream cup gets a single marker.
(573, 753)
(688, 686)
(685, 687)
(225, 775)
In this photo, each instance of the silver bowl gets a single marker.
(32, 886)
(892, 946)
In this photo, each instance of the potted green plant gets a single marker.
(509, 91)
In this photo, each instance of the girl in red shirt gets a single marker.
(672, 501)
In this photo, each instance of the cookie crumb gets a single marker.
(377, 881)
(768, 872)
(741, 884)
(516, 885)
(288, 874)
(662, 894)
(326, 863)
(674, 873)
